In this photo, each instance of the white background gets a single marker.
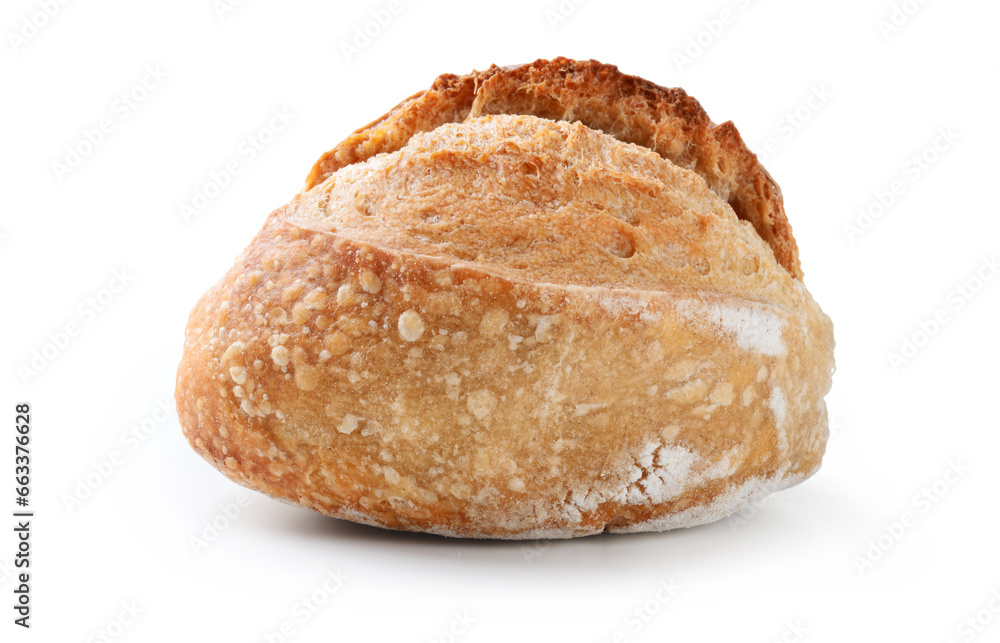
(830, 560)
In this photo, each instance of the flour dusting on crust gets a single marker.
(755, 328)
(734, 499)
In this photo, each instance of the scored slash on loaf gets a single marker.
(550, 300)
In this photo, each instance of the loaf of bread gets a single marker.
(542, 301)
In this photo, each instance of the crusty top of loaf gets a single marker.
(547, 201)
(631, 109)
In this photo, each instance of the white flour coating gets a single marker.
(632, 302)
(755, 328)
(670, 470)
(658, 473)
(676, 470)
(779, 407)
(733, 500)
(668, 478)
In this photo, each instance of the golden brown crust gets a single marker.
(629, 108)
(511, 327)
(514, 424)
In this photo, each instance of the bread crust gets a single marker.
(510, 326)
(632, 109)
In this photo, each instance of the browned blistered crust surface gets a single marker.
(631, 109)
(511, 325)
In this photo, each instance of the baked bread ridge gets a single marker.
(630, 108)
(551, 201)
(380, 378)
